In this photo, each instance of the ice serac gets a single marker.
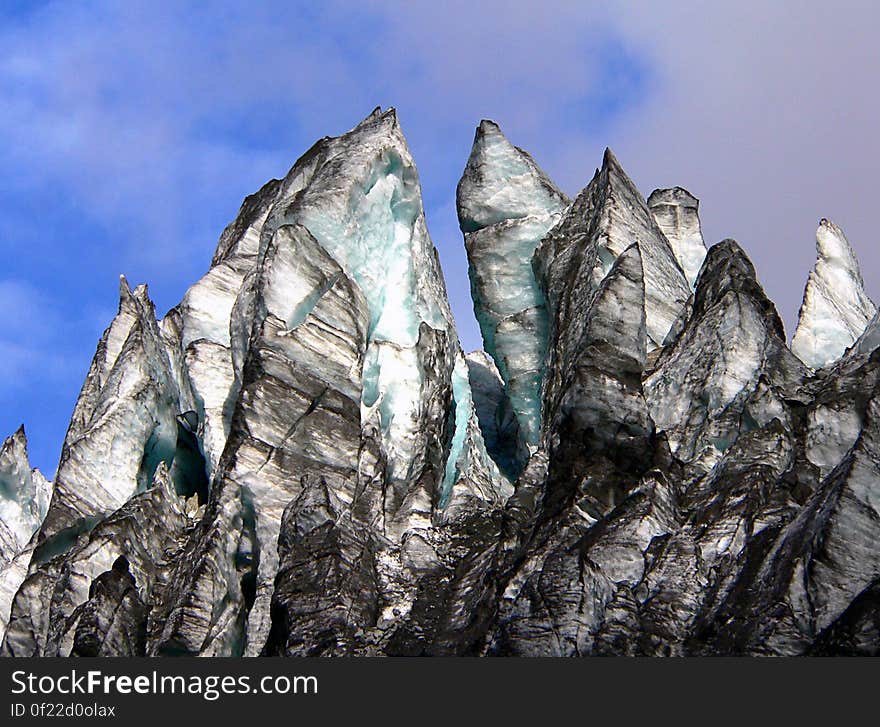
(298, 459)
(148, 532)
(297, 415)
(728, 370)
(498, 422)
(348, 380)
(24, 499)
(24, 496)
(124, 424)
(597, 419)
(800, 593)
(634, 546)
(836, 309)
(610, 215)
(677, 213)
(506, 204)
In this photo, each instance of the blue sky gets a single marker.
(130, 132)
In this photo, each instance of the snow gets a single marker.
(836, 310)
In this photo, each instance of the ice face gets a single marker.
(677, 214)
(363, 206)
(498, 423)
(502, 182)
(836, 309)
(124, 422)
(506, 205)
(464, 411)
(373, 239)
(376, 232)
(24, 496)
(710, 386)
(511, 310)
(24, 500)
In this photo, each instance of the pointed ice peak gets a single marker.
(14, 449)
(833, 247)
(24, 496)
(125, 295)
(614, 170)
(506, 205)
(363, 204)
(621, 218)
(24, 499)
(836, 309)
(677, 214)
(727, 269)
(132, 305)
(128, 297)
(377, 119)
(609, 160)
(502, 182)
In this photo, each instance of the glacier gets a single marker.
(836, 310)
(677, 213)
(299, 458)
(24, 501)
(506, 204)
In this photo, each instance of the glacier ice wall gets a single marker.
(318, 348)
(299, 459)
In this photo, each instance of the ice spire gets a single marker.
(611, 214)
(24, 495)
(836, 308)
(24, 499)
(506, 204)
(676, 212)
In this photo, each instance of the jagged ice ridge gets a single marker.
(299, 458)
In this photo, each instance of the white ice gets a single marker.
(836, 309)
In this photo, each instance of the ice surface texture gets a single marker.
(506, 205)
(299, 459)
(836, 308)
